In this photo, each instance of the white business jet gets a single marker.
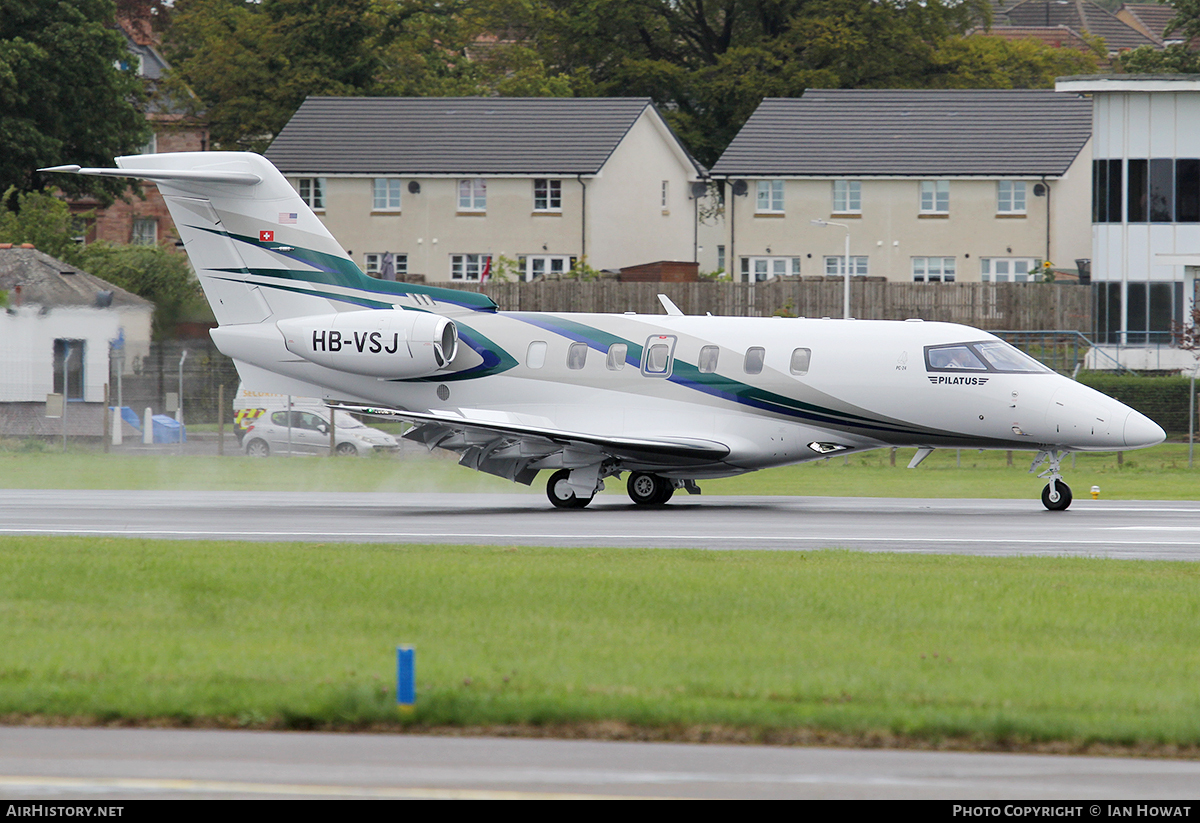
(671, 399)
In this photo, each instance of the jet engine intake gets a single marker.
(383, 343)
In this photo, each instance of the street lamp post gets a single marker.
(845, 265)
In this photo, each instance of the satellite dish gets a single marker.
(740, 188)
(699, 189)
(414, 187)
(104, 299)
(1039, 190)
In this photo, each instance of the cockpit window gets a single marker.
(988, 355)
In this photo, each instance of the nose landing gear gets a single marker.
(1057, 494)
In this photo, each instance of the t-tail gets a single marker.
(268, 266)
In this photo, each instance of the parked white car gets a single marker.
(309, 434)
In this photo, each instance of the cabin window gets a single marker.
(616, 356)
(755, 356)
(535, 358)
(577, 356)
(707, 362)
(800, 360)
(657, 359)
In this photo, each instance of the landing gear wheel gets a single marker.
(647, 489)
(346, 450)
(562, 495)
(1060, 490)
(258, 448)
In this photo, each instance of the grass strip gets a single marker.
(292, 635)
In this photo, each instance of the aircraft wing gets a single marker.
(518, 452)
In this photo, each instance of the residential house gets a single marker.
(929, 186)
(444, 187)
(1151, 19)
(144, 219)
(1145, 209)
(1083, 16)
(58, 331)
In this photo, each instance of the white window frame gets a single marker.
(538, 265)
(1011, 197)
(468, 268)
(373, 263)
(847, 197)
(472, 195)
(666, 196)
(1008, 269)
(836, 266)
(769, 197)
(312, 192)
(935, 197)
(768, 268)
(143, 231)
(386, 194)
(934, 269)
(547, 195)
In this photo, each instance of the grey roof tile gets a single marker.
(48, 281)
(888, 132)
(454, 135)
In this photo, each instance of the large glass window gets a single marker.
(1162, 190)
(1187, 190)
(1107, 184)
(1008, 269)
(768, 268)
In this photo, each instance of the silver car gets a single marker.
(309, 434)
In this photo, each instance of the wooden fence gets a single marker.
(1017, 306)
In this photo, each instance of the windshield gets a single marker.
(345, 421)
(987, 355)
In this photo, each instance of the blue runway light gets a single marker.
(406, 672)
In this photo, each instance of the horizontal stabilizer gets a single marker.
(237, 178)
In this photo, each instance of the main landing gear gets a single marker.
(561, 494)
(647, 489)
(1057, 494)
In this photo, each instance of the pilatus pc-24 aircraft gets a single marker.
(671, 399)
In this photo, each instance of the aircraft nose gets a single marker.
(1141, 431)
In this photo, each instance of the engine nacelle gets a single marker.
(387, 343)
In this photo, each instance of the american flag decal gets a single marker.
(287, 217)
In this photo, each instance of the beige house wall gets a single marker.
(891, 230)
(625, 222)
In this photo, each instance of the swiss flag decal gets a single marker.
(266, 236)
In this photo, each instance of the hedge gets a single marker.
(1163, 399)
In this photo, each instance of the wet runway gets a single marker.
(1120, 529)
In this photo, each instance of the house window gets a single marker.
(547, 195)
(933, 269)
(935, 196)
(768, 268)
(1008, 269)
(720, 258)
(847, 196)
(770, 197)
(469, 267)
(837, 266)
(472, 195)
(144, 232)
(666, 193)
(74, 368)
(376, 265)
(1010, 197)
(312, 192)
(387, 194)
(535, 266)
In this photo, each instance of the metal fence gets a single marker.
(149, 379)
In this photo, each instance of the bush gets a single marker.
(1163, 399)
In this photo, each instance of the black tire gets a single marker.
(563, 496)
(646, 489)
(346, 450)
(258, 448)
(1064, 497)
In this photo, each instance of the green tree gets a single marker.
(251, 64)
(43, 220)
(62, 98)
(1177, 58)
(152, 272)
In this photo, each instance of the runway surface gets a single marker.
(105, 764)
(1120, 529)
